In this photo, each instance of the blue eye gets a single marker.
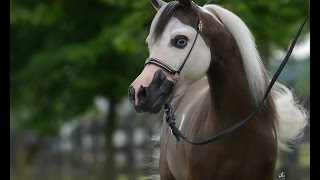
(179, 41)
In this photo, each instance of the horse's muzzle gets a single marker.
(150, 99)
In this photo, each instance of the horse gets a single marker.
(204, 62)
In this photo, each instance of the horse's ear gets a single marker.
(185, 3)
(157, 4)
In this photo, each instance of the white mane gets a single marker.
(292, 117)
(253, 65)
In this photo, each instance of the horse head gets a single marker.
(179, 55)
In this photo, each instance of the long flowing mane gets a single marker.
(253, 65)
(292, 117)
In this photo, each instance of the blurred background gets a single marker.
(71, 62)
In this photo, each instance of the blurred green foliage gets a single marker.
(63, 53)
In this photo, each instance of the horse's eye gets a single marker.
(179, 41)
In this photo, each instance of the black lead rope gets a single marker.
(170, 118)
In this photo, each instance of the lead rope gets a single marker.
(170, 118)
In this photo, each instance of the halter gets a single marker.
(170, 118)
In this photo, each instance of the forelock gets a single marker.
(164, 16)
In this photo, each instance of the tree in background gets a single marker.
(64, 53)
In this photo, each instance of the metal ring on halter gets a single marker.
(174, 74)
(165, 66)
(174, 77)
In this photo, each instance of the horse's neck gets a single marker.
(229, 90)
(225, 87)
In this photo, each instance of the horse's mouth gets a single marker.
(153, 105)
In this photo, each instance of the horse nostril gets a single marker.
(131, 94)
(142, 95)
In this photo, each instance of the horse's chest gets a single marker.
(192, 121)
(220, 159)
(178, 156)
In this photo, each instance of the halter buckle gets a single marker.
(200, 25)
(176, 75)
